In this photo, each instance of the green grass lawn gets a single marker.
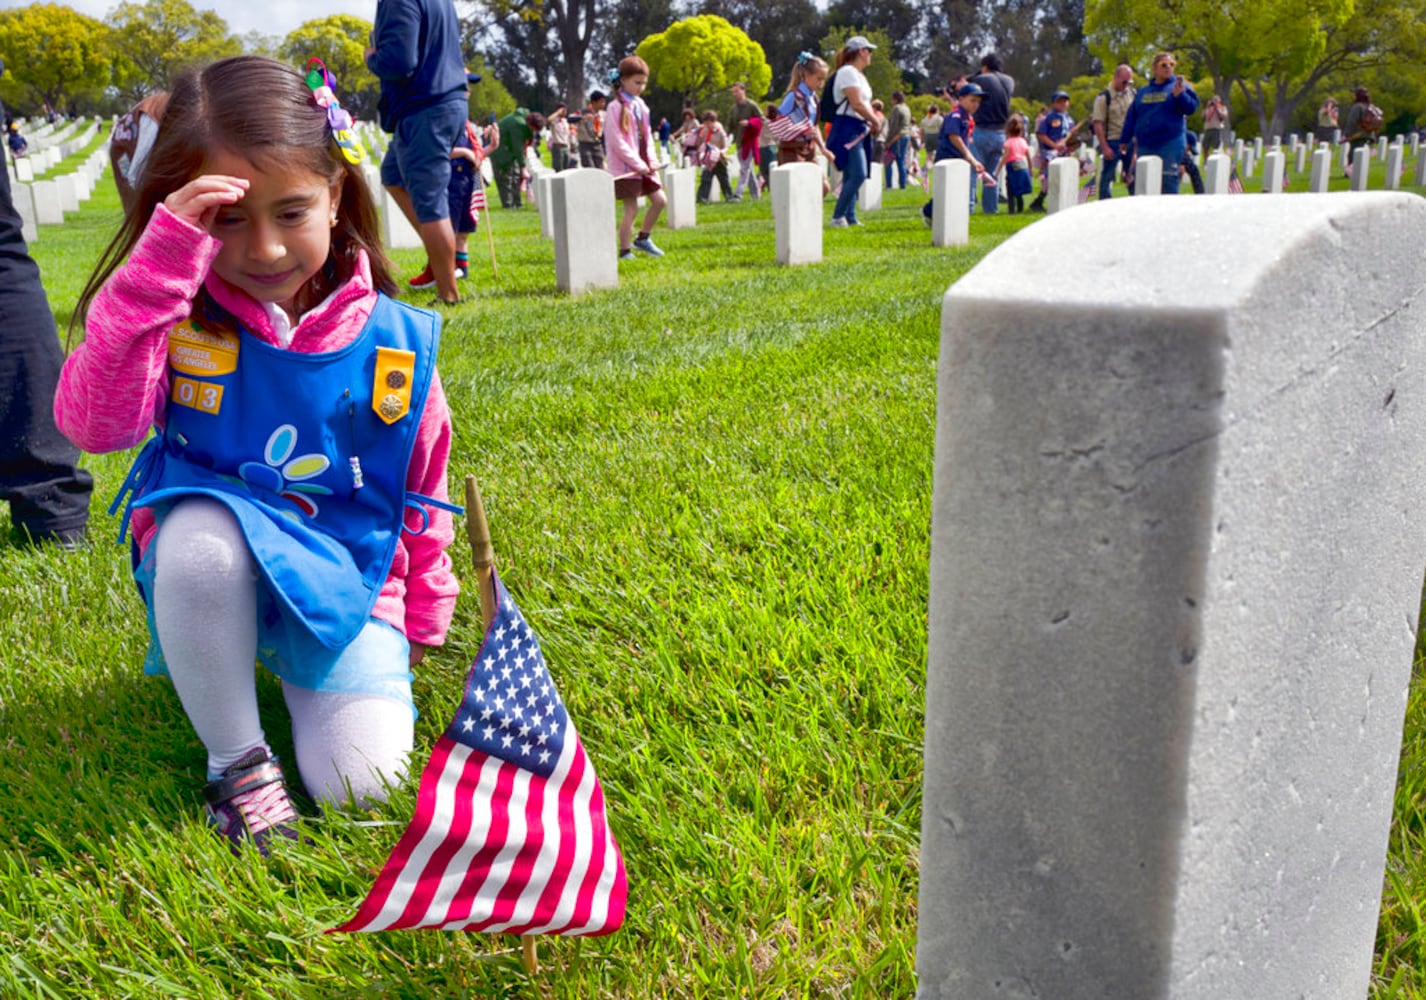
(710, 491)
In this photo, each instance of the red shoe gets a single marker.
(423, 280)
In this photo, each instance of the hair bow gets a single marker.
(803, 58)
(613, 76)
(339, 120)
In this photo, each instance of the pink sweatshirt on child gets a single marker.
(1016, 150)
(114, 387)
(623, 141)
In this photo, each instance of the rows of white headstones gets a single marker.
(44, 202)
(575, 205)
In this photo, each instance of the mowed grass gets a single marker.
(709, 489)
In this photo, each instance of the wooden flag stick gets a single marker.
(490, 235)
(481, 550)
(483, 556)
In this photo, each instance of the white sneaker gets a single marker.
(838, 223)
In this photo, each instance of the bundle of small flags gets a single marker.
(786, 128)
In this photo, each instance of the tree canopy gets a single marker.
(52, 53)
(160, 37)
(1278, 53)
(701, 55)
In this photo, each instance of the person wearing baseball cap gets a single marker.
(853, 124)
(1053, 135)
(957, 140)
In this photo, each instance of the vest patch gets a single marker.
(204, 396)
(193, 350)
(391, 388)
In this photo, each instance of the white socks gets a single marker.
(205, 613)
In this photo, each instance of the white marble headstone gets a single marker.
(1175, 577)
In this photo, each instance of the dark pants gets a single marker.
(705, 183)
(39, 475)
(507, 180)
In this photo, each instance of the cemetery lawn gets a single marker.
(710, 492)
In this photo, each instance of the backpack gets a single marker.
(1371, 119)
(828, 100)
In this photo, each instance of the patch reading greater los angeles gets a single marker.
(195, 351)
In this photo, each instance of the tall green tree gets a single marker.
(489, 96)
(701, 55)
(782, 27)
(340, 41)
(52, 54)
(1278, 53)
(566, 30)
(160, 37)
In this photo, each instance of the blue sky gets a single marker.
(271, 17)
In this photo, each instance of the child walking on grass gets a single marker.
(630, 150)
(291, 507)
(1018, 181)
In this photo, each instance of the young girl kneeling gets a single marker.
(292, 506)
(631, 158)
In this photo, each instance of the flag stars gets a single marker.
(525, 680)
(488, 732)
(502, 652)
(506, 740)
(468, 724)
(544, 756)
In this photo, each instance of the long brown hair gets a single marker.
(261, 110)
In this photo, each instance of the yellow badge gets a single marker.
(391, 389)
(193, 350)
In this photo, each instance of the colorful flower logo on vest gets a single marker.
(284, 475)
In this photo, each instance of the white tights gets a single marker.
(205, 612)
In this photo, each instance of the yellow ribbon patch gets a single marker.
(391, 389)
(193, 350)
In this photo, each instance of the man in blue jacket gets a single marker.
(1155, 124)
(415, 53)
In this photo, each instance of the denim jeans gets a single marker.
(852, 179)
(989, 147)
(1108, 167)
(898, 159)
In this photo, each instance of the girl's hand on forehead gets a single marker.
(198, 201)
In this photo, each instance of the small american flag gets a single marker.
(509, 833)
(477, 199)
(1235, 183)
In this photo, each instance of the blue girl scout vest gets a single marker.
(308, 451)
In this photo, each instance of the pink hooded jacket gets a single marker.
(114, 387)
(625, 142)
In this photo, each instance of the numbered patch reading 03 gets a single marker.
(193, 350)
(198, 395)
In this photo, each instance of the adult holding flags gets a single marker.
(853, 123)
